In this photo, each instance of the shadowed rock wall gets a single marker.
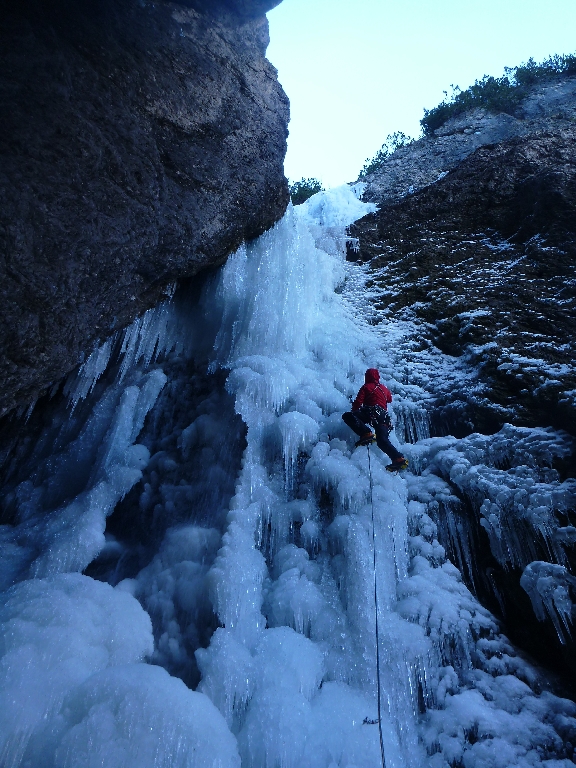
(139, 143)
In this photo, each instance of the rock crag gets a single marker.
(473, 250)
(141, 142)
(549, 106)
(483, 257)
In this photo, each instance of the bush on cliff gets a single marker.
(392, 143)
(301, 190)
(497, 94)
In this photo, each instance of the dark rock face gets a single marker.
(247, 9)
(140, 142)
(484, 260)
(479, 259)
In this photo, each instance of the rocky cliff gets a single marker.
(476, 241)
(473, 249)
(140, 142)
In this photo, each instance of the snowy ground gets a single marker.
(239, 559)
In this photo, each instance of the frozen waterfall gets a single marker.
(187, 557)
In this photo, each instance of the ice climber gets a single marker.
(371, 408)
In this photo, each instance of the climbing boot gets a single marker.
(397, 464)
(367, 439)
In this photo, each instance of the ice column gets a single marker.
(296, 650)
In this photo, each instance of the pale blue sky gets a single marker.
(357, 70)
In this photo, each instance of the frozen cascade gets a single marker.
(297, 550)
(287, 672)
(74, 688)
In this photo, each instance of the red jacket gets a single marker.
(372, 392)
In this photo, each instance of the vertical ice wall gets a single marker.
(291, 583)
(292, 667)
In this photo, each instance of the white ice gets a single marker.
(91, 674)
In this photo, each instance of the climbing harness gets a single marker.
(376, 610)
(375, 415)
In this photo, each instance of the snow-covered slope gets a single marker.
(243, 528)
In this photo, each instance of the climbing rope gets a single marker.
(376, 611)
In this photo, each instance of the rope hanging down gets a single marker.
(376, 611)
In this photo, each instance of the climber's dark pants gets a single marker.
(359, 422)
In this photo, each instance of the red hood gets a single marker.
(372, 376)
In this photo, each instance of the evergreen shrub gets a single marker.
(301, 190)
(497, 94)
(392, 143)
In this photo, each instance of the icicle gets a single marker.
(549, 588)
(143, 341)
(79, 386)
(412, 421)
